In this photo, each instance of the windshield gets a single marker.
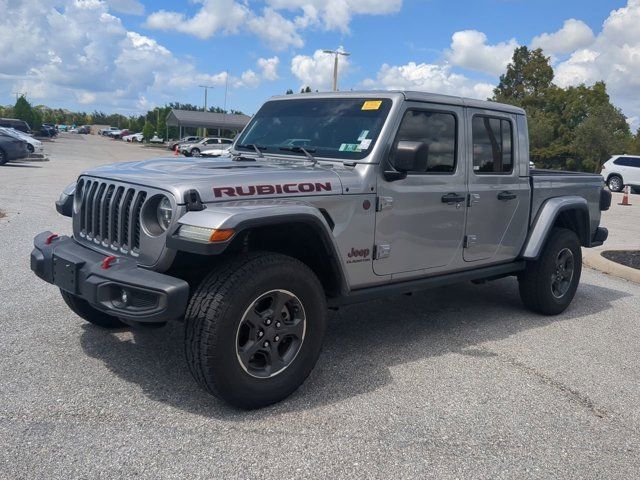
(327, 127)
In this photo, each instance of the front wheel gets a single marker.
(195, 152)
(3, 157)
(254, 329)
(548, 285)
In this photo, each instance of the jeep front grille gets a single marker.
(109, 215)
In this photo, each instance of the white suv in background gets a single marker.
(621, 170)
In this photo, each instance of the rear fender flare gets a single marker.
(546, 218)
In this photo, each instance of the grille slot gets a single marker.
(110, 215)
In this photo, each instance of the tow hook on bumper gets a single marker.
(123, 289)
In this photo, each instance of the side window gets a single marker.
(226, 142)
(438, 131)
(627, 162)
(492, 150)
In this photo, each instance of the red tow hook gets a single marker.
(50, 238)
(106, 263)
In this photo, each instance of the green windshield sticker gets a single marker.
(349, 147)
(363, 135)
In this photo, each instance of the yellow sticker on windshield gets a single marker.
(372, 105)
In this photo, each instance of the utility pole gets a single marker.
(336, 53)
(206, 89)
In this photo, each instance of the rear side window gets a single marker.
(438, 131)
(627, 162)
(492, 145)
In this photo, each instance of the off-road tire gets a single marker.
(615, 183)
(536, 282)
(84, 310)
(214, 315)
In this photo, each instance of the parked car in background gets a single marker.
(47, 130)
(118, 134)
(209, 143)
(33, 145)
(134, 137)
(217, 152)
(15, 124)
(622, 170)
(191, 139)
(12, 148)
(84, 130)
(156, 139)
(106, 131)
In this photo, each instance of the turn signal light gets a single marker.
(221, 235)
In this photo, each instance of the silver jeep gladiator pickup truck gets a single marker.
(326, 200)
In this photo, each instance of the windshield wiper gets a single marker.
(306, 151)
(256, 148)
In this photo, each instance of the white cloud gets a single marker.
(91, 59)
(317, 71)
(215, 16)
(275, 30)
(614, 56)
(279, 24)
(269, 67)
(130, 7)
(573, 35)
(430, 78)
(469, 49)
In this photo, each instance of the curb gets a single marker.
(594, 259)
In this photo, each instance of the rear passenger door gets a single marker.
(498, 200)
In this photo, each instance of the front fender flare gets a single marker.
(244, 215)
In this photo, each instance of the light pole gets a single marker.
(206, 89)
(336, 53)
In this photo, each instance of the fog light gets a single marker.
(124, 297)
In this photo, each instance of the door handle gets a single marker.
(452, 198)
(507, 196)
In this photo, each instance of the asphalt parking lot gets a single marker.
(459, 382)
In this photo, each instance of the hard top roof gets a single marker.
(412, 95)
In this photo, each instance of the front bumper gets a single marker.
(149, 297)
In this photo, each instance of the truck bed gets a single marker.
(546, 184)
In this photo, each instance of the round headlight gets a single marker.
(164, 213)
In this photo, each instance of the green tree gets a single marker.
(289, 92)
(574, 128)
(148, 130)
(24, 111)
(306, 89)
(634, 144)
(528, 76)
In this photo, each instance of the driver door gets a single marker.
(421, 218)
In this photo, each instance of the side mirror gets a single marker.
(407, 157)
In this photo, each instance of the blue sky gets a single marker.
(130, 55)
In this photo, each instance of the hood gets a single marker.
(225, 179)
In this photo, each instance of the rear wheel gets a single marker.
(84, 310)
(548, 285)
(615, 183)
(254, 329)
